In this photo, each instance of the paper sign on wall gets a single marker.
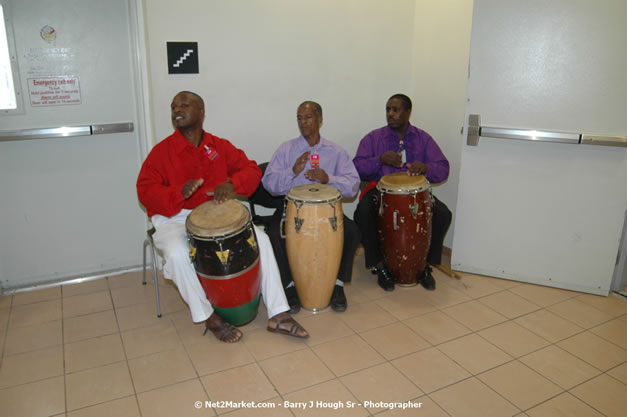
(54, 91)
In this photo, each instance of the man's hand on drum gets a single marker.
(416, 168)
(223, 192)
(392, 158)
(317, 175)
(191, 187)
(300, 163)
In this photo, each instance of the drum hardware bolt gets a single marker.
(395, 220)
(333, 221)
(298, 223)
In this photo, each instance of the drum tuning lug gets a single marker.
(333, 221)
(298, 223)
(414, 210)
(395, 219)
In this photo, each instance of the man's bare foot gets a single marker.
(222, 330)
(284, 323)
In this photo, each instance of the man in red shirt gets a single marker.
(184, 170)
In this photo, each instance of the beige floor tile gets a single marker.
(161, 369)
(404, 303)
(526, 390)
(446, 296)
(176, 400)
(96, 285)
(171, 302)
(502, 282)
(88, 326)
(560, 366)
(437, 327)
(430, 369)
(246, 383)
(541, 295)
(79, 305)
(564, 405)
(38, 336)
(324, 327)
(146, 340)
(594, 350)
(276, 411)
(513, 339)
(188, 331)
(264, 344)
(472, 398)
(322, 400)
(36, 296)
(138, 315)
(395, 340)
(37, 399)
(33, 366)
(614, 331)
(474, 315)
(137, 294)
(37, 313)
(380, 384)
(347, 355)
(132, 279)
(98, 385)
(509, 304)
(548, 325)
(474, 286)
(4, 318)
(295, 371)
(126, 407)
(366, 316)
(613, 305)
(605, 394)
(5, 301)
(93, 353)
(209, 355)
(420, 407)
(620, 373)
(474, 353)
(579, 313)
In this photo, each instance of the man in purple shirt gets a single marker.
(380, 153)
(290, 167)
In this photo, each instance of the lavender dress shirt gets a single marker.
(419, 146)
(335, 161)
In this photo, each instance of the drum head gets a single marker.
(211, 219)
(400, 182)
(314, 193)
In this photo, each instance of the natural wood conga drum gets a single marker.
(404, 225)
(314, 232)
(224, 250)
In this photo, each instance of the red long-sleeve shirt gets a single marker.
(174, 161)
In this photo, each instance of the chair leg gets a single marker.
(146, 243)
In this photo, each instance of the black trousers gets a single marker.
(366, 218)
(352, 237)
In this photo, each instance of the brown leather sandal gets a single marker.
(223, 331)
(283, 323)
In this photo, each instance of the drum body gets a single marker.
(314, 229)
(404, 225)
(224, 251)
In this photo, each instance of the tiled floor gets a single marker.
(476, 347)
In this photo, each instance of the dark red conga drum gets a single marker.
(404, 225)
(224, 250)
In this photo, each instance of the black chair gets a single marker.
(263, 198)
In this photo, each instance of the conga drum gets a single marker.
(404, 225)
(314, 239)
(224, 251)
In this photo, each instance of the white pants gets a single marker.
(171, 239)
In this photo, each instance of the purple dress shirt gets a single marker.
(335, 161)
(419, 146)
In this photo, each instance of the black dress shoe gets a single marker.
(338, 299)
(385, 279)
(427, 280)
(292, 299)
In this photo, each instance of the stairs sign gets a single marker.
(182, 57)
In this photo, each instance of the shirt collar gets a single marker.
(181, 143)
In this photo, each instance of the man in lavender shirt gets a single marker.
(290, 166)
(381, 152)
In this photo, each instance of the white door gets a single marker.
(68, 205)
(546, 213)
